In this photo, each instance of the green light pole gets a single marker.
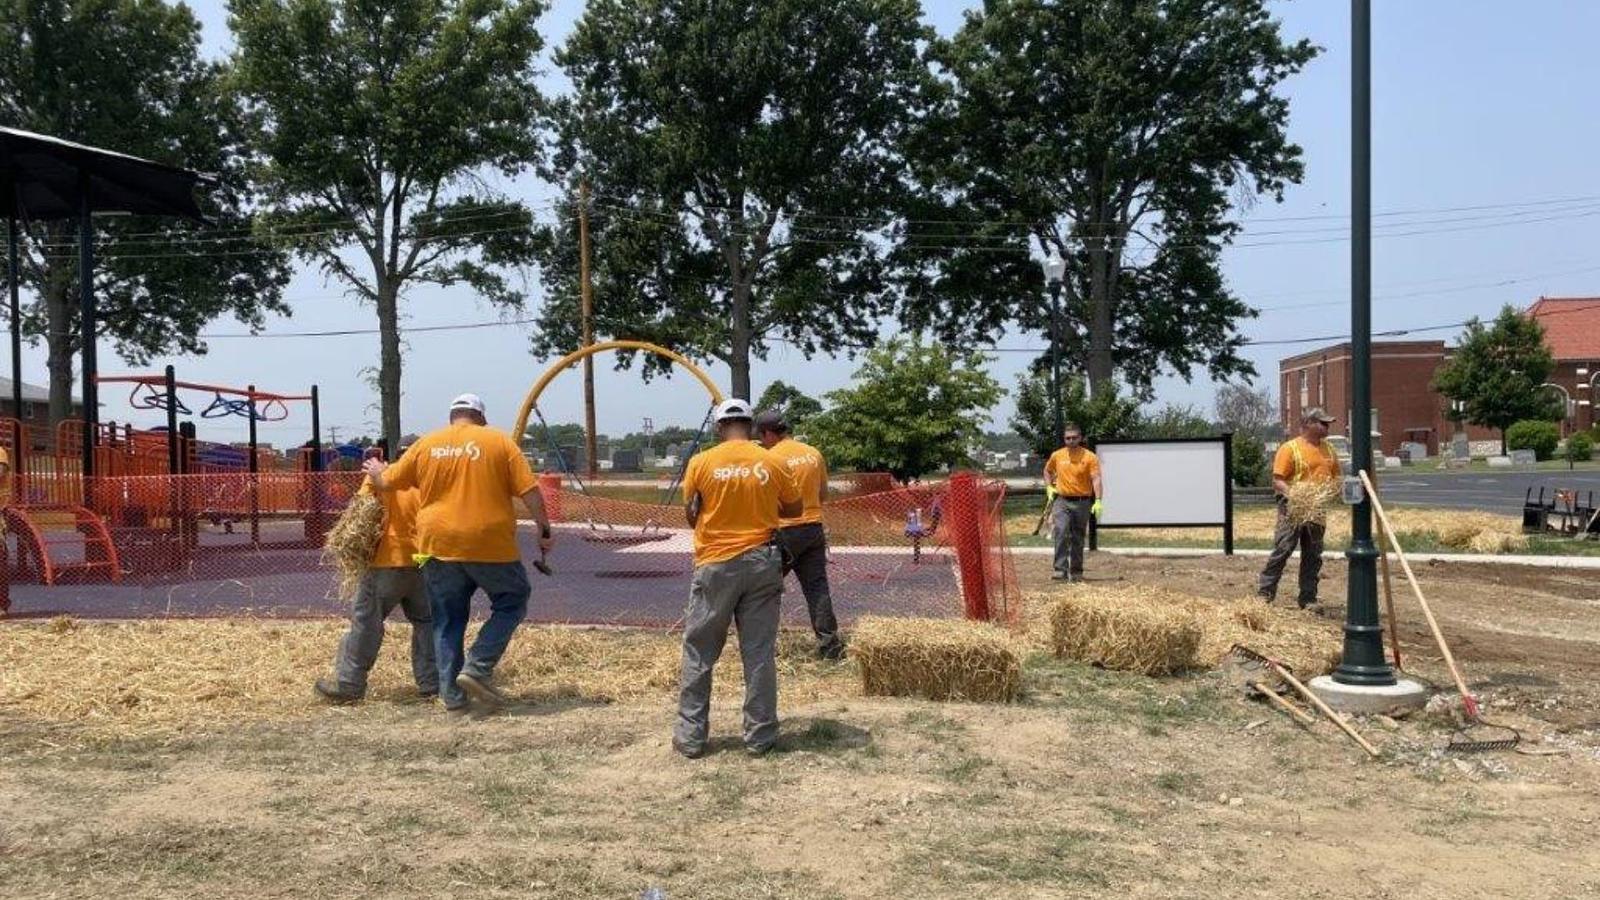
(1364, 662)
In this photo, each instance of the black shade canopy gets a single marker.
(46, 174)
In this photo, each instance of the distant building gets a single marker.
(35, 404)
(1406, 408)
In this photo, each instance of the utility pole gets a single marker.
(586, 292)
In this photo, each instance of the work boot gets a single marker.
(833, 651)
(756, 750)
(480, 689)
(333, 692)
(688, 752)
(1060, 576)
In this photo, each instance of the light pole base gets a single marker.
(1401, 697)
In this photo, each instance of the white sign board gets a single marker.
(1164, 483)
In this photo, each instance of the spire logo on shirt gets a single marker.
(728, 473)
(470, 450)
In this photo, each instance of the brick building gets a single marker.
(35, 404)
(1405, 408)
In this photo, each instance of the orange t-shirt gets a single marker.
(465, 475)
(399, 542)
(740, 485)
(809, 471)
(1300, 459)
(1074, 470)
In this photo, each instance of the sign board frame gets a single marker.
(1225, 521)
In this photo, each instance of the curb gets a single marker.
(1553, 562)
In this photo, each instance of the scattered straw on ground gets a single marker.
(144, 678)
(1307, 501)
(1158, 631)
(937, 659)
(352, 540)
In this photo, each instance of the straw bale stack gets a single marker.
(1492, 542)
(939, 659)
(352, 540)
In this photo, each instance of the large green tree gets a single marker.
(1107, 414)
(745, 159)
(382, 120)
(798, 408)
(914, 407)
(127, 75)
(1120, 134)
(1498, 372)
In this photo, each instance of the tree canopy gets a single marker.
(1498, 371)
(913, 408)
(745, 159)
(127, 75)
(381, 123)
(1120, 134)
(797, 407)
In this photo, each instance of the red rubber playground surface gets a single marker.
(600, 578)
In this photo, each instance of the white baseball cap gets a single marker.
(467, 401)
(733, 408)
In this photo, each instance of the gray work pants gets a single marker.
(742, 590)
(1069, 525)
(381, 590)
(1285, 538)
(807, 547)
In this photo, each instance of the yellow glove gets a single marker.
(1050, 493)
(421, 559)
(1094, 509)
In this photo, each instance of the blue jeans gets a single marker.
(450, 589)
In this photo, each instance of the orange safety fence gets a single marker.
(250, 544)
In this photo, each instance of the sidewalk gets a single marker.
(1552, 562)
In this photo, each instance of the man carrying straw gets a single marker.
(1072, 479)
(804, 539)
(391, 580)
(1304, 475)
(466, 475)
(734, 495)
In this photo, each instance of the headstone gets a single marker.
(1414, 450)
(626, 461)
(1523, 458)
(1499, 462)
(1391, 462)
(1460, 447)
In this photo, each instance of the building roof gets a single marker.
(1571, 326)
(31, 393)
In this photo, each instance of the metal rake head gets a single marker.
(1460, 744)
(1257, 657)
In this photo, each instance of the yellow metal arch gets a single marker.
(577, 356)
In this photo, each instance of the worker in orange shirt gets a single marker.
(804, 540)
(1307, 457)
(734, 497)
(1072, 478)
(467, 474)
(391, 580)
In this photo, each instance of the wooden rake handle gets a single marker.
(1300, 715)
(1316, 701)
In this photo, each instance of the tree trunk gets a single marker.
(61, 335)
(389, 361)
(1100, 320)
(739, 348)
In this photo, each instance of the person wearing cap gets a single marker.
(391, 580)
(1305, 458)
(804, 541)
(1072, 480)
(735, 495)
(466, 475)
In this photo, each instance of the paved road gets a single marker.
(1500, 492)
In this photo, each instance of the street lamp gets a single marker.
(1055, 270)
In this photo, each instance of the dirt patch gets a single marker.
(1095, 783)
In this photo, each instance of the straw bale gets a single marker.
(939, 659)
(1157, 631)
(1308, 501)
(158, 678)
(1148, 630)
(352, 540)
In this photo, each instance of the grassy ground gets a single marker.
(1094, 784)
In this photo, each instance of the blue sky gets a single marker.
(1475, 104)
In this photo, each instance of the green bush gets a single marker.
(1249, 461)
(1533, 434)
(1580, 447)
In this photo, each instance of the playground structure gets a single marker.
(151, 531)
